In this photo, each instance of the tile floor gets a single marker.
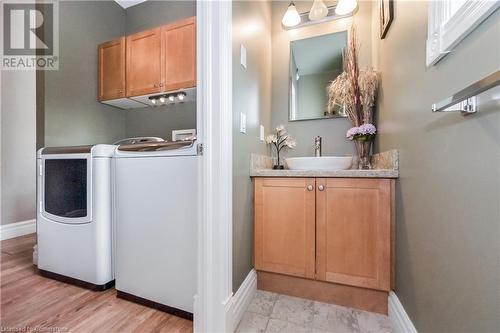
(270, 312)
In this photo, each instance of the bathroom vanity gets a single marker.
(327, 235)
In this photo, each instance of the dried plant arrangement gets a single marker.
(355, 90)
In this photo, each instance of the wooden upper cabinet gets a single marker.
(144, 62)
(149, 62)
(178, 42)
(112, 69)
(284, 226)
(353, 232)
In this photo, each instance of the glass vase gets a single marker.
(277, 163)
(363, 149)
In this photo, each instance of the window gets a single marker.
(450, 21)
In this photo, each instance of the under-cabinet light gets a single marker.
(181, 96)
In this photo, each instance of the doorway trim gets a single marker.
(214, 119)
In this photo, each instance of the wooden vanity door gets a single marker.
(179, 54)
(144, 63)
(284, 226)
(112, 69)
(353, 232)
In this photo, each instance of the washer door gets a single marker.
(66, 188)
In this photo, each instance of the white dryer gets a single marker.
(74, 219)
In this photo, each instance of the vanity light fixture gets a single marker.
(319, 13)
(153, 100)
(345, 7)
(291, 17)
(318, 10)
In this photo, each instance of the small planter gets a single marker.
(280, 140)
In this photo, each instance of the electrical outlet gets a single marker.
(243, 56)
(243, 123)
(261, 137)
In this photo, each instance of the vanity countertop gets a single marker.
(385, 165)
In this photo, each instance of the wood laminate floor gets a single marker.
(30, 302)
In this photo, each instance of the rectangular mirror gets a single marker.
(314, 63)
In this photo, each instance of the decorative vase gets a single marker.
(278, 165)
(363, 148)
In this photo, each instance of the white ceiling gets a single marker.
(128, 3)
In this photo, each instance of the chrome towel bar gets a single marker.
(465, 100)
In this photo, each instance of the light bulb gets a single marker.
(181, 96)
(318, 10)
(291, 17)
(153, 100)
(162, 99)
(345, 7)
(171, 98)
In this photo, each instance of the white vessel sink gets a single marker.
(319, 163)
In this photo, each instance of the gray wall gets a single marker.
(332, 130)
(252, 96)
(158, 121)
(448, 195)
(72, 113)
(18, 146)
(153, 13)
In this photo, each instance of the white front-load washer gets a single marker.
(155, 204)
(74, 222)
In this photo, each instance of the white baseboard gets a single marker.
(241, 300)
(401, 322)
(17, 229)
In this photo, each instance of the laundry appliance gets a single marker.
(74, 228)
(155, 214)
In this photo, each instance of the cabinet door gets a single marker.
(143, 63)
(112, 69)
(353, 232)
(284, 226)
(179, 54)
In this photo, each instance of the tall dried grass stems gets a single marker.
(355, 89)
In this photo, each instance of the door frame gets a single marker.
(214, 123)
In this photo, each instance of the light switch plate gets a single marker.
(243, 56)
(261, 136)
(243, 123)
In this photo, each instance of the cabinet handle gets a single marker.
(321, 188)
(161, 84)
(310, 187)
(156, 85)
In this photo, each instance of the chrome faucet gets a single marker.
(317, 146)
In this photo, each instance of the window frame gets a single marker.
(445, 30)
